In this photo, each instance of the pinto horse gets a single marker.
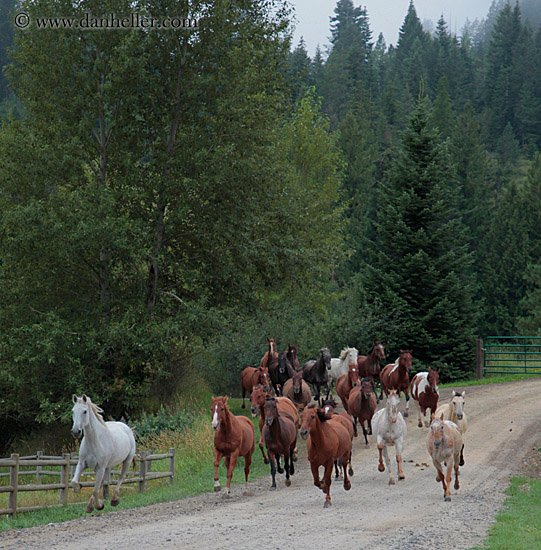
(297, 390)
(396, 376)
(390, 429)
(284, 404)
(316, 373)
(454, 411)
(280, 436)
(250, 377)
(346, 382)
(362, 406)
(326, 441)
(234, 436)
(424, 389)
(270, 354)
(444, 443)
(369, 364)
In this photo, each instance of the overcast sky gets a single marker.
(385, 16)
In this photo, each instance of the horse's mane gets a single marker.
(344, 353)
(95, 408)
(397, 361)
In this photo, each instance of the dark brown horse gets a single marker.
(280, 437)
(316, 372)
(425, 392)
(362, 405)
(234, 436)
(270, 354)
(259, 394)
(297, 390)
(326, 441)
(369, 364)
(280, 371)
(395, 376)
(292, 356)
(250, 377)
(346, 382)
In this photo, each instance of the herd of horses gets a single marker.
(288, 400)
(291, 400)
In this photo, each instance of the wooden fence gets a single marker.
(19, 466)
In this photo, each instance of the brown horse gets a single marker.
(346, 382)
(424, 389)
(395, 376)
(297, 390)
(292, 356)
(444, 442)
(362, 405)
(270, 354)
(250, 377)
(369, 364)
(234, 436)
(280, 436)
(259, 394)
(326, 441)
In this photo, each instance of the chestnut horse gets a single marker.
(454, 411)
(250, 377)
(362, 406)
(369, 364)
(259, 394)
(280, 436)
(424, 389)
(316, 372)
(444, 442)
(234, 436)
(270, 354)
(390, 429)
(346, 382)
(297, 390)
(395, 376)
(326, 441)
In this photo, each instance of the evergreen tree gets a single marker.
(443, 116)
(299, 73)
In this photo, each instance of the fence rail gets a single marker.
(511, 355)
(19, 466)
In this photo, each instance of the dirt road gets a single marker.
(504, 427)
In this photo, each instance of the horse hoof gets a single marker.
(288, 482)
(401, 476)
(266, 460)
(462, 462)
(242, 406)
(77, 487)
(272, 488)
(447, 499)
(350, 471)
(327, 504)
(100, 506)
(381, 468)
(406, 414)
(217, 489)
(115, 501)
(89, 509)
(347, 486)
(420, 424)
(391, 481)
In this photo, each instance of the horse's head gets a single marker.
(219, 410)
(379, 350)
(81, 415)
(272, 346)
(458, 404)
(392, 406)
(327, 409)
(283, 362)
(292, 353)
(405, 359)
(257, 398)
(271, 410)
(433, 379)
(326, 357)
(437, 427)
(366, 388)
(296, 378)
(308, 420)
(353, 374)
(263, 378)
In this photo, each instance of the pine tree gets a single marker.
(443, 115)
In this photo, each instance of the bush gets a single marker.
(164, 420)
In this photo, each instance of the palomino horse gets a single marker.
(340, 365)
(395, 376)
(424, 389)
(297, 390)
(316, 373)
(362, 405)
(326, 441)
(250, 377)
(234, 436)
(270, 354)
(280, 437)
(369, 364)
(104, 445)
(454, 411)
(346, 382)
(284, 404)
(444, 442)
(390, 429)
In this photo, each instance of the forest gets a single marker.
(168, 200)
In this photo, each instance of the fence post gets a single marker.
(106, 483)
(171, 464)
(480, 359)
(142, 471)
(39, 454)
(14, 483)
(64, 478)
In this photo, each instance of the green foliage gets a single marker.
(165, 419)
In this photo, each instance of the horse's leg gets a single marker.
(287, 462)
(365, 434)
(388, 462)
(399, 446)
(279, 468)
(457, 484)
(345, 460)
(231, 462)
(407, 394)
(292, 456)
(247, 464)
(95, 498)
(336, 471)
(381, 467)
(315, 474)
(273, 471)
(116, 491)
(420, 420)
(81, 465)
(329, 393)
(262, 446)
(447, 484)
(327, 483)
(462, 462)
(429, 416)
(217, 458)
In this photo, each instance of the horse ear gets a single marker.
(432, 416)
(74, 398)
(84, 398)
(463, 393)
(441, 417)
(225, 399)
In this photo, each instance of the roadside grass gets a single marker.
(491, 379)
(518, 525)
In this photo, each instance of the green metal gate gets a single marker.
(512, 355)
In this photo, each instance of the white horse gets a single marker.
(340, 365)
(104, 445)
(389, 428)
